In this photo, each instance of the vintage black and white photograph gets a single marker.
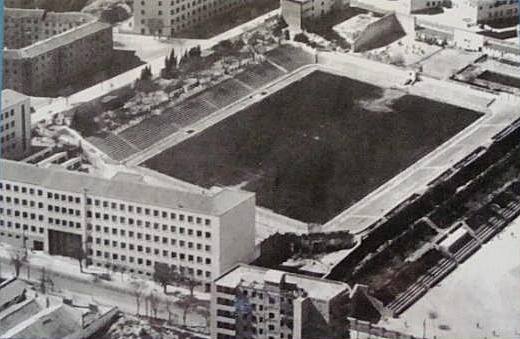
(260, 169)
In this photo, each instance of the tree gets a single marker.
(80, 255)
(163, 274)
(170, 66)
(191, 283)
(223, 48)
(155, 25)
(83, 121)
(169, 303)
(301, 37)
(137, 292)
(154, 303)
(187, 303)
(195, 52)
(146, 73)
(16, 258)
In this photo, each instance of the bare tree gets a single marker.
(169, 303)
(17, 260)
(154, 303)
(137, 292)
(80, 255)
(187, 303)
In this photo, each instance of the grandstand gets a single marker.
(157, 127)
(149, 131)
(112, 145)
(290, 57)
(257, 76)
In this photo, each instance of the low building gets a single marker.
(45, 51)
(15, 125)
(488, 11)
(298, 13)
(125, 221)
(254, 302)
(33, 314)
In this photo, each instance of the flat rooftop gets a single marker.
(124, 187)
(11, 97)
(251, 275)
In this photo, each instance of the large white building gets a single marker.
(169, 17)
(124, 221)
(486, 11)
(15, 125)
(254, 302)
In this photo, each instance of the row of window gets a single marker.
(147, 211)
(7, 137)
(173, 229)
(18, 214)
(149, 263)
(163, 240)
(23, 227)
(166, 254)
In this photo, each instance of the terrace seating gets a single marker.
(189, 112)
(148, 131)
(259, 75)
(224, 93)
(290, 57)
(112, 145)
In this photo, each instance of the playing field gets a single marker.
(316, 147)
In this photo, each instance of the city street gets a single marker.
(68, 281)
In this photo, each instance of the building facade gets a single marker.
(46, 51)
(125, 222)
(417, 6)
(297, 13)
(254, 302)
(488, 11)
(169, 17)
(15, 125)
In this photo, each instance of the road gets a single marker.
(99, 292)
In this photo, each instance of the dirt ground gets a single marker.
(480, 299)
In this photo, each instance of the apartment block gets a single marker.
(169, 17)
(124, 221)
(15, 125)
(45, 51)
(255, 302)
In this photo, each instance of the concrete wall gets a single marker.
(292, 13)
(235, 242)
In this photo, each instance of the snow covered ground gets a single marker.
(480, 299)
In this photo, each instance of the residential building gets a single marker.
(125, 221)
(417, 6)
(487, 11)
(46, 51)
(254, 302)
(15, 125)
(298, 13)
(169, 17)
